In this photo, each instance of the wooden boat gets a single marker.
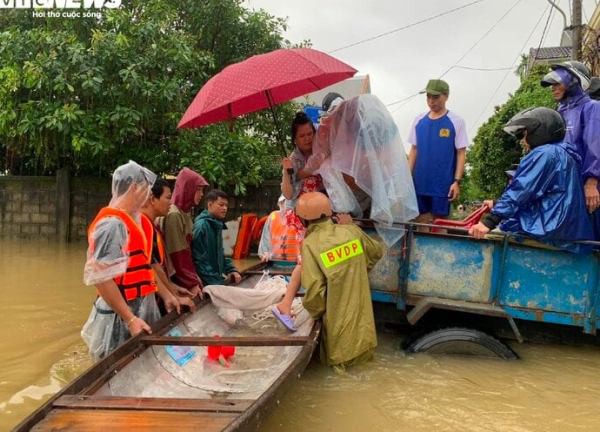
(142, 385)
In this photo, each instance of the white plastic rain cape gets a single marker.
(363, 142)
(104, 330)
(106, 256)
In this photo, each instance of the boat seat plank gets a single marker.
(236, 341)
(155, 404)
(272, 272)
(132, 421)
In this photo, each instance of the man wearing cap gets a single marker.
(569, 81)
(438, 140)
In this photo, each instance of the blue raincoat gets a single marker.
(545, 198)
(582, 118)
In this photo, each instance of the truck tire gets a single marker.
(462, 341)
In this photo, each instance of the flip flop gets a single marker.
(284, 319)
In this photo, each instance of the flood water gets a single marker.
(551, 388)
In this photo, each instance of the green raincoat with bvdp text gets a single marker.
(335, 262)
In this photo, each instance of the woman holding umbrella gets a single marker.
(298, 178)
(299, 168)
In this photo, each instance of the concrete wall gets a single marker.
(28, 205)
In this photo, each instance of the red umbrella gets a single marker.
(263, 81)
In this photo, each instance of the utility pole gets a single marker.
(576, 29)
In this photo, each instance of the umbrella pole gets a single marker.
(271, 107)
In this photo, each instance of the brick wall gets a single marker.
(88, 196)
(28, 205)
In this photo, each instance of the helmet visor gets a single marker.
(517, 131)
(551, 78)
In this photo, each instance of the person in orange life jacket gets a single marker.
(177, 226)
(280, 244)
(118, 265)
(207, 245)
(173, 297)
(438, 140)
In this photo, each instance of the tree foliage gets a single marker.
(493, 150)
(92, 93)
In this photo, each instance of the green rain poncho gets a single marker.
(335, 262)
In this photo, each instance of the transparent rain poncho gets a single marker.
(104, 330)
(106, 256)
(363, 142)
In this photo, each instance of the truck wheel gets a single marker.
(462, 341)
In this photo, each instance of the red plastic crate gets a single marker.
(465, 223)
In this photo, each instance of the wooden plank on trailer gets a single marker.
(235, 341)
(153, 404)
(132, 421)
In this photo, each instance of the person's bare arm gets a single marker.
(592, 197)
(454, 191)
(287, 188)
(109, 291)
(162, 277)
(303, 173)
(461, 156)
(412, 157)
(164, 289)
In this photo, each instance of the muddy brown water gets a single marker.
(551, 388)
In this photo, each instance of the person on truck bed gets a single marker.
(545, 198)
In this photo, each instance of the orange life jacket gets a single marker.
(159, 240)
(138, 280)
(286, 242)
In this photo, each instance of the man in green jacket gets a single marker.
(207, 242)
(335, 262)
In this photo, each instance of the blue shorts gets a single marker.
(438, 206)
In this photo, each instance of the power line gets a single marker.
(360, 42)
(482, 69)
(455, 65)
(541, 39)
(551, 22)
(514, 62)
(481, 38)
(408, 98)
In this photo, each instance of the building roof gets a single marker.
(549, 53)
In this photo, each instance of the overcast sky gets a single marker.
(400, 64)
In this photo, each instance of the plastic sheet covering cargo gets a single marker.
(187, 372)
